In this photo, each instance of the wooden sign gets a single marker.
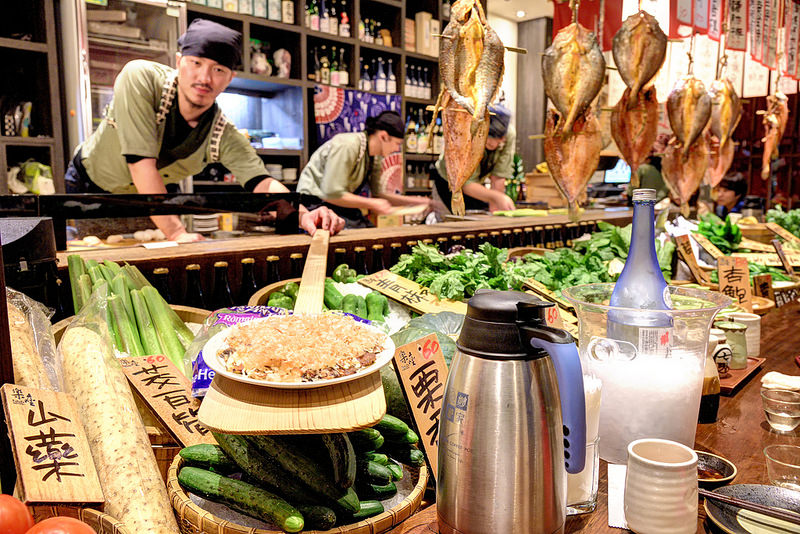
(52, 456)
(762, 286)
(771, 260)
(686, 253)
(785, 296)
(779, 230)
(755, 246)
(168, 393)
(422, 370)
(734, 280)
(540, 289)
(784, 261)
(411, 294)
(708, 246)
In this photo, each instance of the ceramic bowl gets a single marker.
(714, 471)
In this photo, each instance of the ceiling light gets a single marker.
(521, 14)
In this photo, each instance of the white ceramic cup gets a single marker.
(661, 487)
(753, 334)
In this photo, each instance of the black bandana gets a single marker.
(207, 39)
(389, 121)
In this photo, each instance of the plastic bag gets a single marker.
(134, 491)
(37, 177)
(33, 348)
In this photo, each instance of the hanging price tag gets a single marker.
(422, 370)
(785, 262)
(716, 14)
(51, 452)
(780, 231)
(687, 255)
(734, 281)
(736, 38)
(708, 246)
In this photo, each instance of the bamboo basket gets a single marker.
(194, 520)
(260, 297)
(100, 522)
(163, 444)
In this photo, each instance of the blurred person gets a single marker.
(730, 193)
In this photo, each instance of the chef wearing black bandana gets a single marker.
(164, 125)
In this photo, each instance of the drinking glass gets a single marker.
(783, 465)
(782, 408)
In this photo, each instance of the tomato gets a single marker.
(15, 518)
(61, 525)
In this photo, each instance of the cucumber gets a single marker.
(210, 457)
(367, 439)
(241, 496)
(317, 517)
(392, 427)
(408, 455)
(343, 459)
(368, 509)
(373, 472)
(300, 466)
(377, 491)
(396, 470)
(377, 457)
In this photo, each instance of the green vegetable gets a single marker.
(159, 309)
(144, 321)
(377, 457)
(377, 491)
(339, 273)
(377, 306)
(408, 455)
(113, 267)
(291, 289)
(725, 235)
(208, 456)
(96, 275)
(355, 304)
(396, 470)
(332, 297)
(76, 269)
(790, 220)
(343, 458)
(372, 472)
(279, 300)
(128, 332)
(368, 509)
(85, 289)
(317, 517)
(391, 427)
(241, 496)
(119, 288)
(367, 439)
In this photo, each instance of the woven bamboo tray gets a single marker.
(194, 520)
(100, 522)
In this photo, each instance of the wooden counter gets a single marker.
(740, 433)
(259, 247)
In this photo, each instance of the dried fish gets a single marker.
(689, 110)
(726, 109)
(683, 174)
(639, 48)
(634, 127)
(775, 119)
(463, 150)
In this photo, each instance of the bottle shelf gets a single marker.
(419, 101)
(416, 156)
(330, 37)
(19, 44)
(422, 57)
(26, 141)
(381, 48)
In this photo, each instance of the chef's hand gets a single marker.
(380, 206)
(501, 202)
(187, 237)
(321, 217)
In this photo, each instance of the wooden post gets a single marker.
(8, 472)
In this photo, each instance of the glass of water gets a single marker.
(783, 465)
(782, 408)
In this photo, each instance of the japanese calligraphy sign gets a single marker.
(716, 14)
(780, 231)
(701, 15)
(54, 463)
(779, 250)
(770, 47)
(410, 294)
(734, 281)
(168, 393)
(736, 38)
(756, 28)
(684, 11)
(792, 14)
(762, 286)
(768, 259)
(708, 246)
(423, 372)
(686, 253)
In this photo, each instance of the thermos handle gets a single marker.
(561, 347)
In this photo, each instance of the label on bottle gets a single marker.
(307, 20)
(380, 85)
(325, 74)
(324, 24)
(344, 29)
(422, 143)
(655, 341)
(288, 12)
(391, 86)
(438, 144)
(334, 77)
(315, 22)
(333, 25)
(411, 143)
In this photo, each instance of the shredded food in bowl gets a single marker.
(300, 348)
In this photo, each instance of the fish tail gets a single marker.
(457, 203)
(633, 99)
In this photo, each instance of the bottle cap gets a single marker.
(340, 250)
(456, 238)
(161, 270)
(377, 247)
(295, 256)
(248, 260)
(506, 232)
(221, 264)
(193, 267)
(396, 245)
(643, 195)
(273, 258)
(360, 249)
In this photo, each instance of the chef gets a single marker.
(164, 125)
(496, 164)
(344, 173)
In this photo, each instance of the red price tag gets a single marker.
(553, 317)
(156, 359)
(429, 348)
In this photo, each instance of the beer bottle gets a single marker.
(360, 260)
(549, 241)
(505, 240)
(296, 260)
(470, 241)
(483, 237)
(529, 236)
(441, 242)
(558, 235)
(411, 244)
(273, 269)
(161, 283)
(456, 244)
(518, 240)
(339, 256)
(221, 296)
(194, 288)
(427, 241)
(539, 232)
(494, 238)
(377, 258)
(396, 250)
(249, 285)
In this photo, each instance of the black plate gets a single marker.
(734, 520)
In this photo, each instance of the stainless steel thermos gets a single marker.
(504, 452)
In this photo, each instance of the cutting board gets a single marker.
(235, 407)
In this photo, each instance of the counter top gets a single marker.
(740, 433)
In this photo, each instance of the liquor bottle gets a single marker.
(360, 262)
(420, 83)
(518, 239)
(374, 70)
(411, 134)
(367, 31)
(446, 9)
(249, 285)
(438, 137)
(324, 18)
(221, 296)
(161, 282)
(422, 133)
(427, 241)
(469, 241)
(410, 245)
(377, 258)
(334, 67)
(427, 84)
(456, 243)
(287, 11)
(378, 36)
(363, 80)
(344, 22)
(362, 30)
(494, 238)
(273, 269)
(325, 67)
(274, 10)
(391, 82)
(483, 237)
(339, 256)
(296, 261)
(314, 16)
(407, 89)
(530, 236)
(380, 81)
(410, 180)
(317, 67)
(344, 73)
(194, 288)
(333, 19)
(395, 250)
(441, 242)
(642, 286)
(505, 239)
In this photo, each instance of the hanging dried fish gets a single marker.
(726, 109)
(634, 127)
(684, 173)
(639, 48)
(775, 119)
(689, 110)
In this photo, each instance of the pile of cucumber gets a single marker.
(303, 481)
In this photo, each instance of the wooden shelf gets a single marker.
(380, 48)
(19, 44)
(414, 156)
(393, 3)
(422, 57)
(247, 81)
(26, 141)
(419, 101)
(330, 37)
(279, 152)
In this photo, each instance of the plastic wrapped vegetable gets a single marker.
(33, 349)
